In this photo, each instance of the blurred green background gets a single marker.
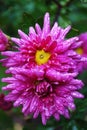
(20, 14)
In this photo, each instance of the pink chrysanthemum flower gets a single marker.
(3, 41)
(82, 50)
(43, 71)
(49, 93)
(46, 47)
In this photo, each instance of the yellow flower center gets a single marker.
(42, 57)
(79, 51)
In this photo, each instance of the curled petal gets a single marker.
(57, 76)
(77, 95)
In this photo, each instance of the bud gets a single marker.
(4, 41)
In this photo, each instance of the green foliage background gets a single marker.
(20, 14)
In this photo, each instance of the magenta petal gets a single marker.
(77, 95)
(66, 114)
(43, 118)
(57, 76)
(23, 35)
(18, 102)
(46, 26)
(33, 104)
(72, 106)
(36, 113)
(16, 40)
(38, 29)
(26, 106)
(32, 31)
(56, 116)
